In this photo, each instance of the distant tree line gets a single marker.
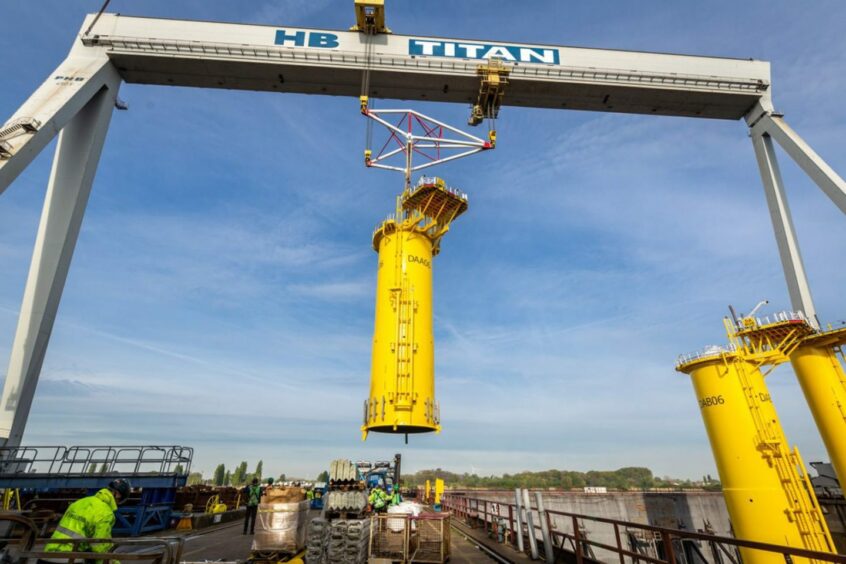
(629, 478)
(237, 477)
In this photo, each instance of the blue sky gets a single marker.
(221, 294)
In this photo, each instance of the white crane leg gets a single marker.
(788, 246)
(51, 107)
(816, 168)
(74, 165)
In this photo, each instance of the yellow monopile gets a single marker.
(402, 377)
(823, 382)
(767, 491)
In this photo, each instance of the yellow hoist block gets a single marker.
(494, 79)
(370, 17)
(402, 376)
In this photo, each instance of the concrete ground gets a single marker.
(225, 543)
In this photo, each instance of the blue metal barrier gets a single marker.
(157, 471)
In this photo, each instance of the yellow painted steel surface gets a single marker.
(402, 376)
(823, 382)
(764, 483)
(439, 490)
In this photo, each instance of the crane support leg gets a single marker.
(65, 92)
(808, 160)
(788, 245)
(74, 165)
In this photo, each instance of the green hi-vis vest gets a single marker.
(253, 495)
(91, 517)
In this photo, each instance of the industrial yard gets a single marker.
(431, 316)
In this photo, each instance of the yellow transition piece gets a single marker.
(402, 377)
(767, 491)
(817, 364)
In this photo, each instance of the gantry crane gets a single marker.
(76, 102)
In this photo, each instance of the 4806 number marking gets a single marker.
(711, 401)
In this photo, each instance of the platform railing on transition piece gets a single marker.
(489, 514)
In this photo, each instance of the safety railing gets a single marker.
(778, 317)
(78, 460)
(669, 546)
(706, 352)
(22, 541)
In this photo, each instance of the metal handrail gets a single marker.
(159, 551)
(463, 506)
(706, 352)
(79, 460)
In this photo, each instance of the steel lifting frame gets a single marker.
(441, 148)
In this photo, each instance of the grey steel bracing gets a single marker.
(530, 526)
(518, 518)
(785, 234)
(549, 553)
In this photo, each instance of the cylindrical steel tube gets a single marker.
(518, 515)
(822, 380)
(547, 541)
(530, 526)
(744, 432)
(402, 375)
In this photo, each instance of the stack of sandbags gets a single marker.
(350, 501)
(349, 541)
(337, 542)
(358, 541)
(342, 471)
(281, 526)
(317, 539)
(283, 495)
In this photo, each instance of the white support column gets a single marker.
(809, 161)
(51, 107)
(788, 246)
(74, 165)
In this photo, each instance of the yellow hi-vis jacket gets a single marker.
(91, 517)
(378, 498)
